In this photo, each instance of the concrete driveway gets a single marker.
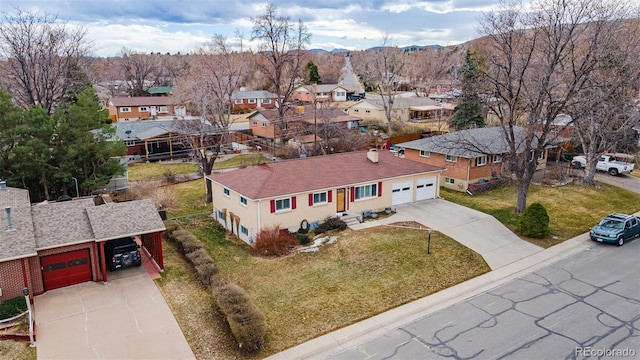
(127, 318)
(478, 231)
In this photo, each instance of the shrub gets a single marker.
(205, 271)
(199, 257)
(303, 239)
(534, 221)
(330, 223)
(12, 307)
(274, 242)
(178, 233)
(245, 320)
(171, 226)
(188, 243)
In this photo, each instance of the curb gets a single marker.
(352, 335)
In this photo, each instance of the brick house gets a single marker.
(254, 99)
(284, 193)
(320, 93)
(52, 245)
(139, 108)
(467, 156)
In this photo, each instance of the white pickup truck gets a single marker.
(608, 163)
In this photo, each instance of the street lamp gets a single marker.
(76, 182)
(429, 242)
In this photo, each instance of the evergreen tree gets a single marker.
(468, 112)
(311, 74)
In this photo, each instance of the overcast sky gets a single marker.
(185, 25)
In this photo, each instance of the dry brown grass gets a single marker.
(304, 295)
(15, 350)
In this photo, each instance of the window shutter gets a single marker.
(379, 188)
(310, 199)
(353, 194)
(329, 195)
(273, 206)
(293, 202)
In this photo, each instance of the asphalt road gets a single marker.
(585, 305)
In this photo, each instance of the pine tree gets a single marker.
(468, 112)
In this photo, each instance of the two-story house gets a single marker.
(144, 108)
(320, 93)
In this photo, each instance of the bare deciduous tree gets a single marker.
(538, 60)
(140, 71)
(281, 46)
(216, 74)
(40, 54)
(606, 109)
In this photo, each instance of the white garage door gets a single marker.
(426, 188)
(401, 193)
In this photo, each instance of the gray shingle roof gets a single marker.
(141, 130)
(20, 242)
(142, 101)
(62, 223)
(317, 173)
(113, 221)
(469, 143)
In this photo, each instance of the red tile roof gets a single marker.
(317, 173)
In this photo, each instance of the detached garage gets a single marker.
(52, 245)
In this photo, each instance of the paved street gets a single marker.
(590, 300)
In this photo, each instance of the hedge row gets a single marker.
(246, 322)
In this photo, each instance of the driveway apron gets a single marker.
(126, 318)
(478, 231)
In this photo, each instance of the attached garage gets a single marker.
(68, 268)
(401, 193)
(426, 188)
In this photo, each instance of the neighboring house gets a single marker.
(467, 156)
(160, 90)
(298, 121)
(256, 99)
(320, 93)
(160, 139)
(144, 108)
(52, 245)
(406, 108)
(284, 193)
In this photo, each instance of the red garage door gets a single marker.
(65, 269)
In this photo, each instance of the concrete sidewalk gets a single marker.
(476, 230)
(126, 318)
(361, 332)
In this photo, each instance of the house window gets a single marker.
(243, 200)
(130, 142)
(497, 158)
(340, 93)
(266, 101)
(238, 101)
(367, 111)
(143, 108)
(451, 158)
(320, 198)
(226, 191)
(264, 124)
(125, 109)
(366, 191)
(163, 109)
(220, 215)
(244, 231)
(449, 180)
(252, 101)
(283, 204)
(481, 160)
(425, 153)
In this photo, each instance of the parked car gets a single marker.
(616, 228)
(122, 253)
(607, 162)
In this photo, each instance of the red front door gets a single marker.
(66, 269)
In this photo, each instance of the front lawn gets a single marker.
(305, 295)
(572, 209)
